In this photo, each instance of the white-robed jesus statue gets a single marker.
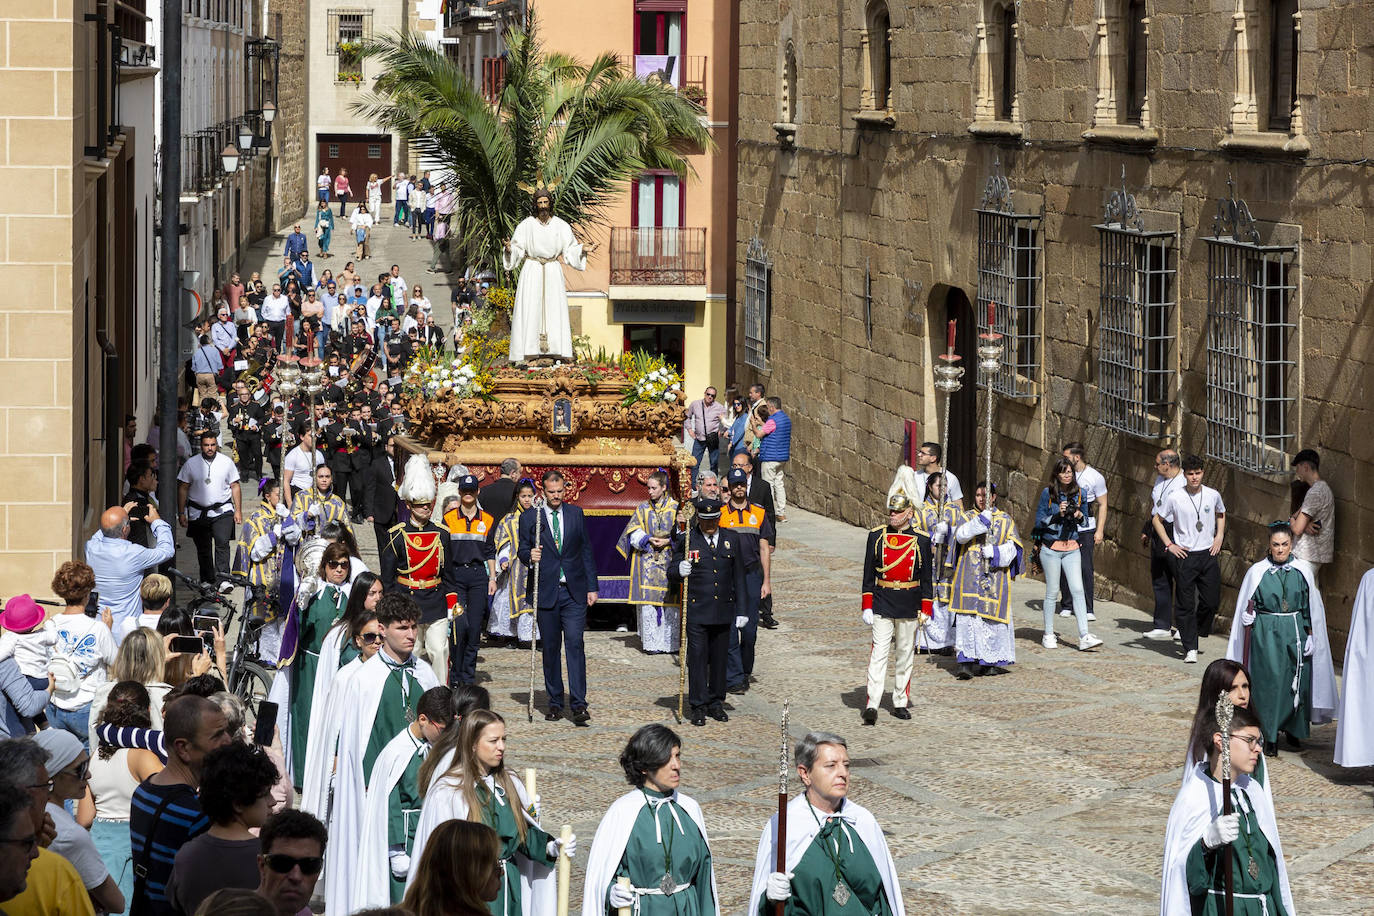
(539, 327)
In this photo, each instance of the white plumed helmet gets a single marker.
(417, 485)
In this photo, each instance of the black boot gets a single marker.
(1271, 749)
(964, 671)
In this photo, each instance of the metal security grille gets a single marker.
(1009, 280)
(1136, 335)
(758, 304)
(1251, 324)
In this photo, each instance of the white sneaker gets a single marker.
(1048, 641)
(1091, 615)
(1157, 633)
(1065, 612)
(1191, 657)
(1088, 641)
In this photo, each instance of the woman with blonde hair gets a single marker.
(374, 192)
(141, 658)
(478, 786)
(460, 873)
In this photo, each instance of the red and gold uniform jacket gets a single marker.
(415, 561)
(897, 566)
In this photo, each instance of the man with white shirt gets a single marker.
(1198, 517)
(911, 482)
(1093, 487)
(398, 283)
(119, 563)
(298, 467)
(276, 309)
(209, 506)
(1168, 477)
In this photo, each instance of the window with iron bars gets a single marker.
(1135, 358)
(758, 304)
(1251, 353)
(1009, 279)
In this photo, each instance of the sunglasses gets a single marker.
(282, 864)
(369, 638)
(338, 564)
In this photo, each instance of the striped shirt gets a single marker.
(161, 820)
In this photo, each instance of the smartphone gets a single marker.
(205, 623)
(266, 723)
(93, 604)
(187, 645)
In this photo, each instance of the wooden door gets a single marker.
(362, 155)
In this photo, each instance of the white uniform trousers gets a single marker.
(433, 647)
(885, 629)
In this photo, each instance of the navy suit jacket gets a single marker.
(575, 561)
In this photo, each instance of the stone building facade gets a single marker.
(1090, 168)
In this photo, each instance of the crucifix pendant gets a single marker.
(1253, 868)
(841, 893)
(666, 883)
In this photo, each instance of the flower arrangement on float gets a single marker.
(433, 374)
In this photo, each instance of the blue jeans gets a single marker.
(698, 449)
(566, 620)
(73, 721)
(1071, 564)
(739, 660)
(322, 341)
(322, 194)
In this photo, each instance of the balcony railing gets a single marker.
(493, 78)
(685, 74)
(658, 256)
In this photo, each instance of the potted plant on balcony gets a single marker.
(695, 94)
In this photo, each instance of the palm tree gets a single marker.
(587, 128)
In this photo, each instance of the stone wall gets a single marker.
(295, 186)
(900, 202)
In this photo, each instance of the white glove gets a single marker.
(282, 511)
(742, 622)
(400, 864)
(557, 844)
(867, 616)
(940, 531)
(276, 529)
(1307, 648)
(314, 510)
(779, 887)
(292, 534)
(684, 569)
(989, 551)
(1247, 616)
(621, 896)
(1221, 831)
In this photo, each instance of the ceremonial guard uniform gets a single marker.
(710, 561)
(754, 526)
(414, 558)
(472, 556)
(990, 556)
(246, 419)
(896, 596)
(659, 620)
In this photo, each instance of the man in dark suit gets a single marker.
(496, 497)
(567, 586)
(760, 494)
(379, 492)
(712, 564)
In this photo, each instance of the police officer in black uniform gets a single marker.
(472, 555)
(712, 562)
(246, 419)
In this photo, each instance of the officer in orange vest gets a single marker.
(754, 526)
(472, 558)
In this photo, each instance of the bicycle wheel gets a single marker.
(251, 683)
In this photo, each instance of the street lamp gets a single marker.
(230, 159)
(269, 112)
(245, 137)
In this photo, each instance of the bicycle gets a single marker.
(248, 678)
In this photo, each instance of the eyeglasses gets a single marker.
(369, 638)
(81, 772)
(1255, 742)
(282, 864)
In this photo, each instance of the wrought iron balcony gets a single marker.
(658, 256)
(685, 74)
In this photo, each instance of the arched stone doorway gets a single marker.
(950, 303)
